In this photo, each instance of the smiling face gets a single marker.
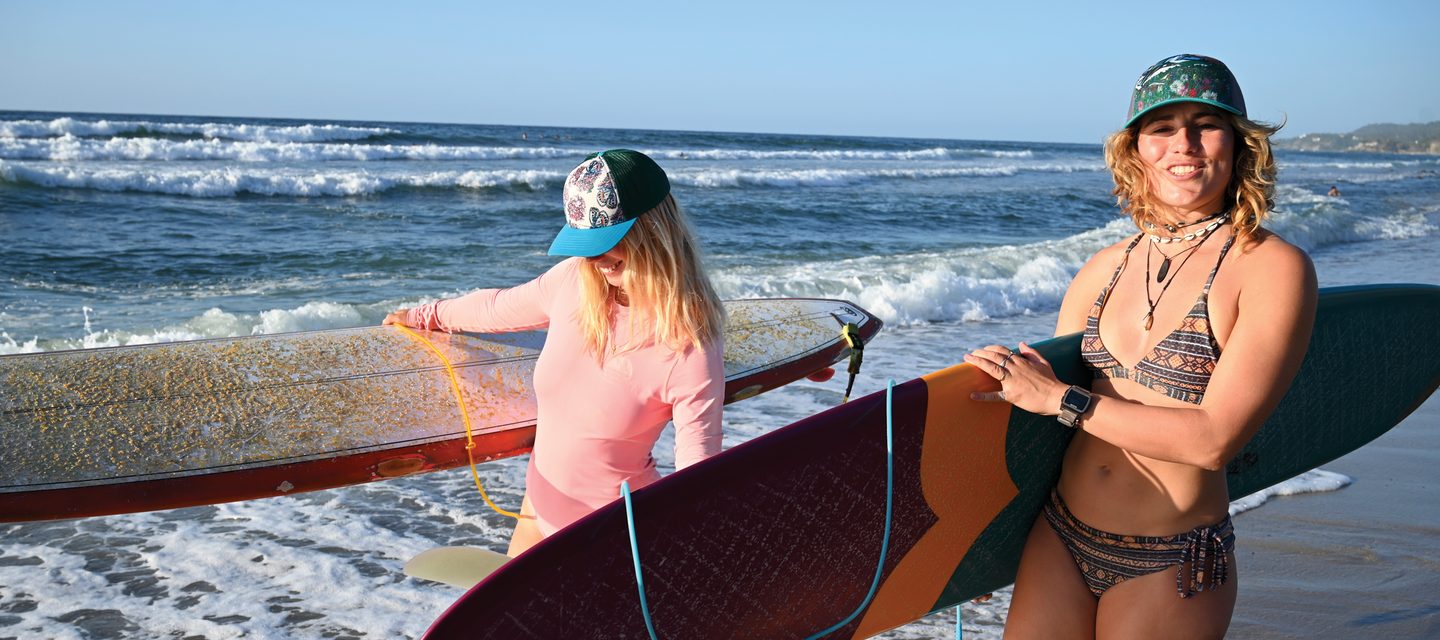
(1189, 155)
(611, 264)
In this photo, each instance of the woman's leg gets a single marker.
(1150, 607)
(526, 533)
(1050, 599)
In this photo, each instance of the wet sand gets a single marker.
(1361, 562)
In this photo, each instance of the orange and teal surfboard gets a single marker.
(780, 537)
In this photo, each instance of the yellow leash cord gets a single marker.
(464, 413)
(851, 334)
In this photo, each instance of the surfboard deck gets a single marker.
(140, 428)
(780, 537)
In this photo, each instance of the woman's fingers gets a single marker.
(399, 317)
(988, 362)
(1032, 355)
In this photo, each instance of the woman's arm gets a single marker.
(1276, 312)
(696, 390)
(492, 310)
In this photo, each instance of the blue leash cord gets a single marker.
(884, 545)
(635, 555)
(889, 498)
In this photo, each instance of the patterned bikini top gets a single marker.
(1180, 365)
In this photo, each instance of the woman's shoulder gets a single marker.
(1268, 256)
(567, 267)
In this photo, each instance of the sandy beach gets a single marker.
(1361, 562)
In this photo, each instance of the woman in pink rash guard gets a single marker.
(634, 342)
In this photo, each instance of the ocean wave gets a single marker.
(72, 148)
(1310, 221)
(973, 284)
(1313, 481)
(263, 133)
(721, 178)
(231, 181)
(937, 153)
(980, 284)
(296, 181)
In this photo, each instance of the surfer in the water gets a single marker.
(634, 342)
(1141, 508)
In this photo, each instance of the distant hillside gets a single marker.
(1376, 138)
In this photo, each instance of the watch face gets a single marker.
(1076, 398)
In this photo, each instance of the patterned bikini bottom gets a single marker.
(1107, 559)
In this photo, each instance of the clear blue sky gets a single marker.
(1056, 71)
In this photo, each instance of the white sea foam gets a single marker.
(964, 285)
(1312, 481)
(295, 181)
(269, 133)
(937, 153)
(845, 177)
(70, 148)
(230, 181)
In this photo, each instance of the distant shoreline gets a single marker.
(1414, 139)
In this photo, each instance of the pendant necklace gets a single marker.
(1215, 220)
(1164, 270)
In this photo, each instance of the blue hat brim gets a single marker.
(1175, 100)
(588, 243)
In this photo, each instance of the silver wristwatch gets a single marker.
(1073, 404)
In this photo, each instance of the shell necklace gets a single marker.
(1215, 220)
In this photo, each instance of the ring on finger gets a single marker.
(1007, 360)
(1002, 396)
(1004, 373)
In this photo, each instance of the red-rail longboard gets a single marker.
(128, 429)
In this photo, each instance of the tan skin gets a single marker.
(1143, 463)
(611, 264)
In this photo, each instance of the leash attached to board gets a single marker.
(851, 333)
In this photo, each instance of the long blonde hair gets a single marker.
(670, 294)
(1250, 193)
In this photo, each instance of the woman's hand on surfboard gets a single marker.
(1026, 379)
(398, 317)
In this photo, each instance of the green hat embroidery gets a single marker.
(1186, 78)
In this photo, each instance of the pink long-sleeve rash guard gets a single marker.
(597, 424)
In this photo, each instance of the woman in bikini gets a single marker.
(634, 342)
(1141, 508)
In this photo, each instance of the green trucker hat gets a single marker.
(1186, 78)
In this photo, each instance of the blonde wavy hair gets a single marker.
(1250, 193)
(666, 283)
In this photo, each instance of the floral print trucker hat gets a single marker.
(1186, 78)
(603, 197)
